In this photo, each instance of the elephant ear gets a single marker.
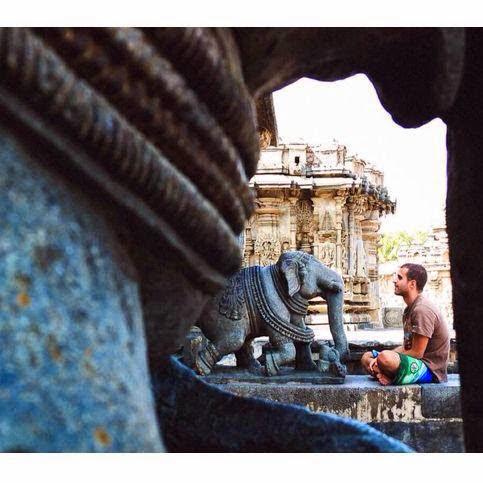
(290, 268)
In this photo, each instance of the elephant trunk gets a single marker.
(335, 303)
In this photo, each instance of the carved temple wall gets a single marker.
(324, 202)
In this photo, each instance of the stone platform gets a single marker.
(426, 417)
(229, 375)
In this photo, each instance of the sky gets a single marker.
(349, 111)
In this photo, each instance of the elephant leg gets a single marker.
(245, 358)
(303, 357)
(206, 358)
(303, 354)
(228, 340)
(281, 353)
(335, 302)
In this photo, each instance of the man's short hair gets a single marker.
(418, 273)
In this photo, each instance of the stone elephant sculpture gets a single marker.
(272, 301)
(126, 155)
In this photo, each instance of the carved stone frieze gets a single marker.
(305, 216)
(267, 249)
(345, 245)
(361, 263)
(327, 254)
(232, 300)
(327, 224)
(249, 244)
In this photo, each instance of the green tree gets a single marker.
(390, 242)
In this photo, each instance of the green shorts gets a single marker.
(412, 371)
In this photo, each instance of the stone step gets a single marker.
(425, 416)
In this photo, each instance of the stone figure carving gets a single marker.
(271, 301)
(327, 223)
(268, 248)
(327, 253)
(305, 214)
(265, 138)
(126, 155)
(344, 252)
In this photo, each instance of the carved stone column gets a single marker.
(351, 237)
(267, 214)
(305, 213)
(293, 223)
(267, 247)
(319, 210)
(326, 236)
(370, 237)
(362, 280)
(339, 199)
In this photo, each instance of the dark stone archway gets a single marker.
(154, 131)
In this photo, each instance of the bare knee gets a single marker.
(388, 361)
(366, 359)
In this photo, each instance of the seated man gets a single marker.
(424, 355)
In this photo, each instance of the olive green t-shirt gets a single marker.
(424, 318)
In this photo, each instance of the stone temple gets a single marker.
(323, 201)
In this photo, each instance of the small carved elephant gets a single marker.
(271, 301)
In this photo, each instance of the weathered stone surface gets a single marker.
(73, 366)
(361, 398)
(441, 401)
(224, 375)
(432, 436)
(400, 411)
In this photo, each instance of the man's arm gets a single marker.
(420, 342)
